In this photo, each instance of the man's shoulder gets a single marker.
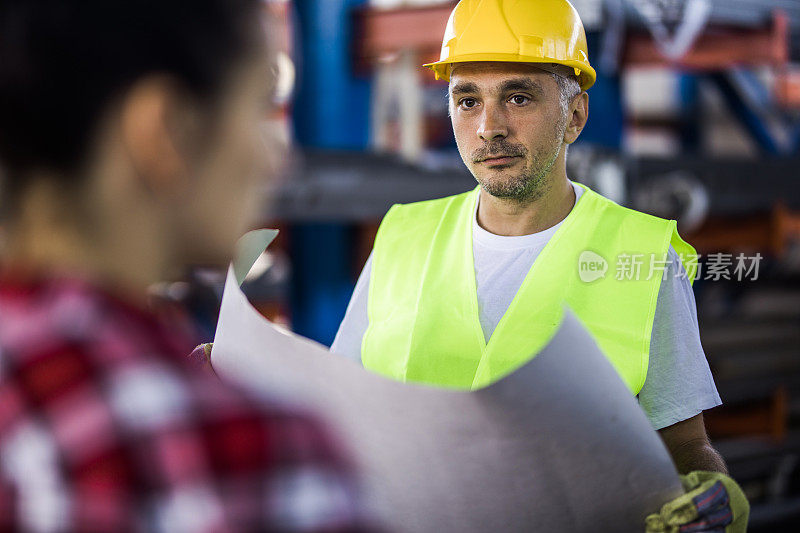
(608, 217)
(606, 205)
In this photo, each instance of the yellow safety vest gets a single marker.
(423, 308)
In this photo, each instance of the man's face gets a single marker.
(508, 124)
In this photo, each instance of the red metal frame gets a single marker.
(386, 32)
(718, 48)
(787, 88)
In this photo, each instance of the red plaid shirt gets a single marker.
(104, 426)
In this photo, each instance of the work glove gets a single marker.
(713, 503)
(201, 356)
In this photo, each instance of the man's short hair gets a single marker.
(568, 88)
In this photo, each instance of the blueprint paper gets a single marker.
(558, 445)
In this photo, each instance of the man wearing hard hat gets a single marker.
(462, 290)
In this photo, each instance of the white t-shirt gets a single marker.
(679, 384)
(501, 265)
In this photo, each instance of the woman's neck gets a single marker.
(49, 238)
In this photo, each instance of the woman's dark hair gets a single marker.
(63, 61)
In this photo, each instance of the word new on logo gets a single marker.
(591, 266)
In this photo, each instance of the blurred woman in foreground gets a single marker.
(129, 144)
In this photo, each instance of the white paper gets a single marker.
(558, 445)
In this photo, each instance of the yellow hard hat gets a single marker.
(519, 31)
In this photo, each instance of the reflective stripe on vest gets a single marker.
(423, 310)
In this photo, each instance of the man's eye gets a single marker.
(468, 103)
(519, 99)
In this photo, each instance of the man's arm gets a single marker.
(712, 502)
(690, 448)
(678, 388)
(679, 385)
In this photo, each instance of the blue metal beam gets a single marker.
(330, 110)
(751, 120)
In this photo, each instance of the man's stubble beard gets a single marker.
(527, 185)
(530, 183)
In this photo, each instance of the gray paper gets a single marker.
(249, 247)
(559, 445)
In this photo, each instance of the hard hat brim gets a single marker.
(585, 73)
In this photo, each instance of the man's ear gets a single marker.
(153, 117)
(577, 117)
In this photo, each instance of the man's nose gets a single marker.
(492, 124)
